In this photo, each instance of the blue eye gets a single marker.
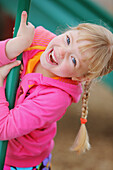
(68, 40)
(74, 61)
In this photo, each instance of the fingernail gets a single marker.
(24, 12)
(19, 62)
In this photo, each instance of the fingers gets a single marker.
(14, 64)
(4, 70)
(13, 30)
(23, 18)
(21, 69)
(31, 25)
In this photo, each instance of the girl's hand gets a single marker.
(4, 70)
(21, 70)
(24, 38)
(26, 31)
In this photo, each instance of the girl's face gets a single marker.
(62, 57)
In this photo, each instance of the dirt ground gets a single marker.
(100, 128)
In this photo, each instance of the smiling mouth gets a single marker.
(52, 58)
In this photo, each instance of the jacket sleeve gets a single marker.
(3, 58)
(36, 113)
(42, 37)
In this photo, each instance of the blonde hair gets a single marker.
(99, 46)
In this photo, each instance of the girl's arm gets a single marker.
(24, 38)
(37, 112)
(4, 70)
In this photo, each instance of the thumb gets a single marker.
(23, 18)
(14, 64)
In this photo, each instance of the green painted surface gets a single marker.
(13, 76)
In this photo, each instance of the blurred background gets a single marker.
(56, 16)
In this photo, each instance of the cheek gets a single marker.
(55, 42)
(42, 58)
(67, 70)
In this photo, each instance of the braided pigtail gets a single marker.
(81, 143)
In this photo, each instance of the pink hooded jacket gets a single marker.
(31, 125)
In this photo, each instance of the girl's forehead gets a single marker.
(73, 35)
(72, 31)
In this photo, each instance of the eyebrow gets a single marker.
(71, 37)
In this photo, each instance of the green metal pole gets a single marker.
(13, 77)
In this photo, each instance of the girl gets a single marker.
(54, 69)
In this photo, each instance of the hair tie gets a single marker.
(83, 121)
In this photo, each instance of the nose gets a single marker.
(64, 53)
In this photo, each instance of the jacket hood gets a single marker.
(74, 89)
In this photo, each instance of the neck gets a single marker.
(40, 69)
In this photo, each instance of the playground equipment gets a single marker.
(52, 15)
(13, 77)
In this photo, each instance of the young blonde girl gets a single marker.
(51, 81)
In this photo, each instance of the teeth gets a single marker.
(52, 57)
